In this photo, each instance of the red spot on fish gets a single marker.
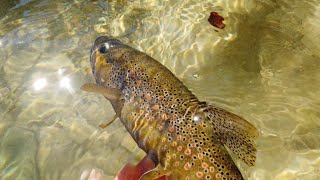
(187, 166)
(179, 148)
(148, 97)
(204, 165)
(174, 156)
(179, 137)
(187, 151)
(132, 72)
(171, 129)
(156, 107)
(200, 156)
(176, 163)
(139, 83)
(199, 174)
(216, 20)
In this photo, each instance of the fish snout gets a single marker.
(100, 56)
(101, 45)
(106, 43)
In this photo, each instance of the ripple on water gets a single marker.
(263, 66)
(18, 150)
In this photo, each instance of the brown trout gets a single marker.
(183, 136)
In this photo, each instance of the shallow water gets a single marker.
(263, 66)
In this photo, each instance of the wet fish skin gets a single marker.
(183, 136)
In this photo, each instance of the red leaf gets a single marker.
(216, 20)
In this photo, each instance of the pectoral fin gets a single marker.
(234, 132)
(111, 94)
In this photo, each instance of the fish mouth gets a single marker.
(93, 63)
(95, 55)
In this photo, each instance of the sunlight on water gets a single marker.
(39, 84)
(263, 66)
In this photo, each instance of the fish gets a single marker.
(184, 137)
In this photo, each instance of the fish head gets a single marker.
(107, 62)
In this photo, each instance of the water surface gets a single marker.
(263, 66)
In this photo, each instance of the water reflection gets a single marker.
(40, 84)
(263, 66)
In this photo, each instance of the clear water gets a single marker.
(263, 66)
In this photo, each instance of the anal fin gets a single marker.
(234, 132)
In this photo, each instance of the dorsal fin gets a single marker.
(234, 132)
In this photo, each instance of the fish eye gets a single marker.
(102, 49)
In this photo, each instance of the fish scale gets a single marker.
(184, 137)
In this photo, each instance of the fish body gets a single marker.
(183, 136)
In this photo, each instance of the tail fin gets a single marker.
(234, 132)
